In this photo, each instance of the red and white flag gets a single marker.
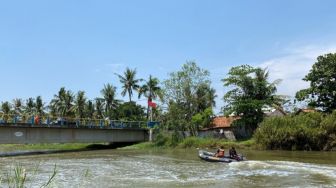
(151, 104)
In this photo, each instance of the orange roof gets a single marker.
(308, 110)
(222, 122)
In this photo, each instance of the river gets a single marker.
(175, 168)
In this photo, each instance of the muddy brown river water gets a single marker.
(175, 168)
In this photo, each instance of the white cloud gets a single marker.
(292, 67)
(116, 67)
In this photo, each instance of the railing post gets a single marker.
(101, 123)
(32, 120)
(48, 121)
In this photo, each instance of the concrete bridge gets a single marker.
(25, 133)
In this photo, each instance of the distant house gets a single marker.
(220, 127)
(222, 122)
(305, 110)
(274, 112)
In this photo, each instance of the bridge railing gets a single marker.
(49, 121)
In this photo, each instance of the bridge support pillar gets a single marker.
(150, 134)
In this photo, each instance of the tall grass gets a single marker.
(18, 177)
(176, 140)
(312, 131)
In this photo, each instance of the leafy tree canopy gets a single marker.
(250, 92)
(187, 92)
(322, 77)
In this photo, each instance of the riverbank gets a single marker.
(30, 147)
(196, 142)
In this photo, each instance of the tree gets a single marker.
(6, 108)
(89, 109)
(322, 77)
(99, 108)
(62, 103)
(110, 102)
(250, 92)
(18, 106)
(30, 107)
(202, 119)
(79, 107)
(185, 93)
(129, 82)
(151, 90)
(130, 111)
(205, 97)
(39, 106)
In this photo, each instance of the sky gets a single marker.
(81, 44)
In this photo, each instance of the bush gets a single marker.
(312, 131)
(161, 140)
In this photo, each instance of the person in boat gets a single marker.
(233, 153)
(220, 152)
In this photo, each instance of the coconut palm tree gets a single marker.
(39, 106)
(6, 108)
(151, 90)
(211, 96)
(57, 102)
(63, 102)
(18, 106)
(79, 106)
(204, 97)
(30, 107)
(110, 103)
(129, 82)
(89, 109)
(265, 90)
(99, 111)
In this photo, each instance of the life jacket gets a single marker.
(220, 153)
(37, 120)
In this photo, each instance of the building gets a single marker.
(220, 127)
(305, 110)
(274, 112)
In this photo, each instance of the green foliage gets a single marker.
(109, 100)
(187, 92)
(161, 140)
(130, 111)
(40, 109)
(18, 177)
(175, 118)
(202, 119)
(129, 82)
(312, 131)
(168, 139)
(322, 78)
(80, 102)
(5, 109)
(151, 91)
(62, 103)
(176, 138)
(250, 92)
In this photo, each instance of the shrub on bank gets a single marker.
(175, 140)
(312, 131)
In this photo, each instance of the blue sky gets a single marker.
(45, 45)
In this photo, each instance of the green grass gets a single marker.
(32, 147)
(195, 142)
(143, 145)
